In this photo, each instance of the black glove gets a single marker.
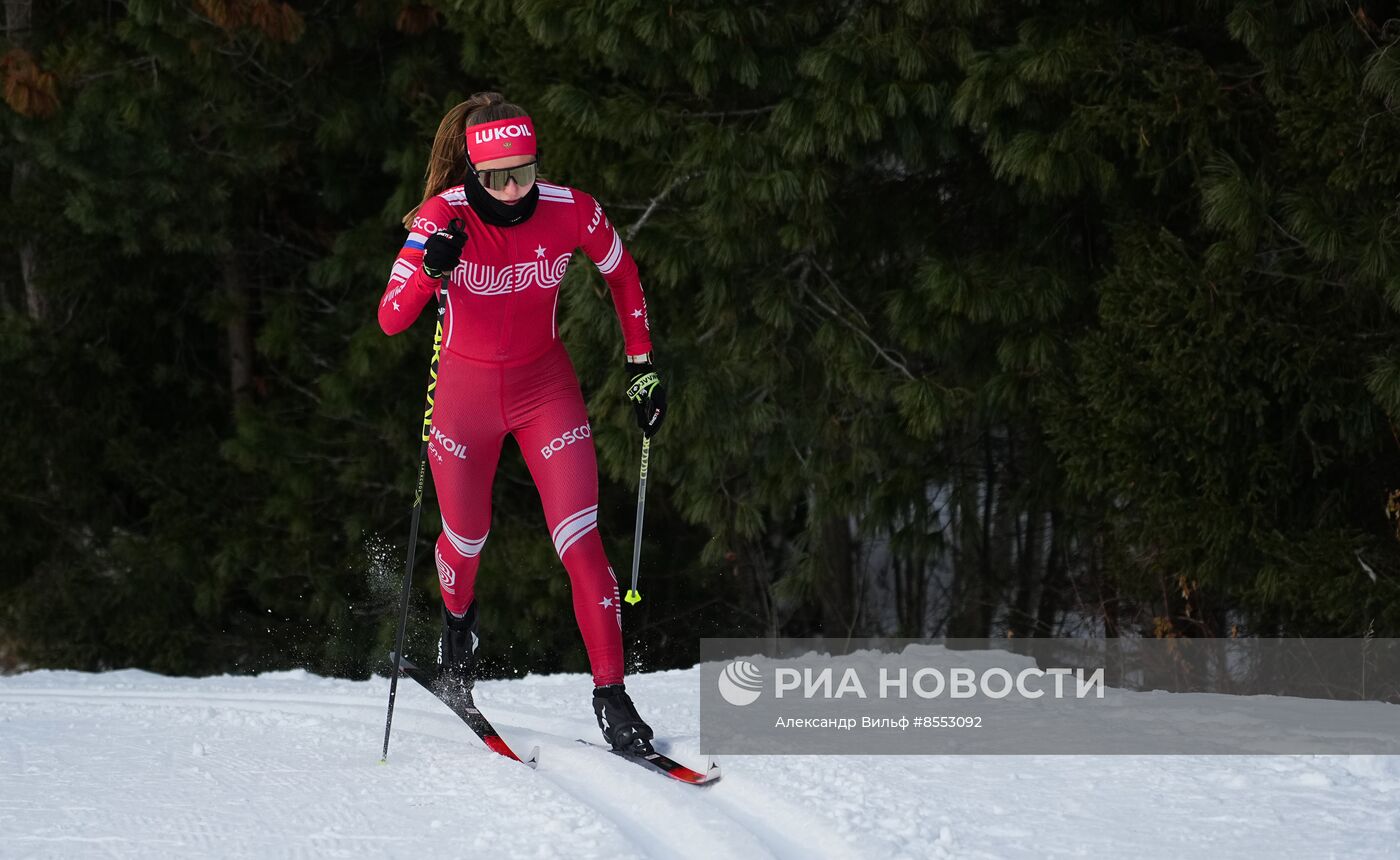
(648, 396)
(443, 250)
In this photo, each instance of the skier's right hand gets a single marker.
(443, 250)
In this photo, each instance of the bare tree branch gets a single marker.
(651, 207)
(836, 315)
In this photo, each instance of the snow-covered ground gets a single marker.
(130, 764)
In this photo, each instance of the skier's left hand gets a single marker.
(648, 396)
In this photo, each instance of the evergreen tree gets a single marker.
(986, 317)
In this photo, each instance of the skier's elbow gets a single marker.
(391, 323)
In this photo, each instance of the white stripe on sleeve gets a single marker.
(610, 262)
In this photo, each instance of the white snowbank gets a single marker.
(130, 764)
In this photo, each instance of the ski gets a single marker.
(663, 765)
(467, 710)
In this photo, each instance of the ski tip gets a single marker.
(497, 744)
(709, 777)
(695, 777)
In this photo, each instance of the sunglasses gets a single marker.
(498, 179)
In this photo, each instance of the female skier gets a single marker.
(504, 370)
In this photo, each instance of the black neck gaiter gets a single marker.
(493, 211)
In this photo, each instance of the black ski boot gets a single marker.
(457, 653)
(618, 718)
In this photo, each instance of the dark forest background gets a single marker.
(979, 318)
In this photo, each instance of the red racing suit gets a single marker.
(504, 370)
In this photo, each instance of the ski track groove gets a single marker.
(652, 830)
(743, 797)
(654, 827)
(763, 838)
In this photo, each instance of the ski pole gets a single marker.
(413, 520)
(633, 597)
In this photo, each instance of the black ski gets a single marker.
(655, 761)
(465, 707)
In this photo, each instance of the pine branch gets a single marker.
(1284, 230)
(1357, 20)
(1292, 277)
(655, 201)
(889, 357)
(725, 114)
(839, 294)
(250, 60)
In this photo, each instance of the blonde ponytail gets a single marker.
(448, 160)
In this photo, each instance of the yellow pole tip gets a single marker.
(632, 597)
